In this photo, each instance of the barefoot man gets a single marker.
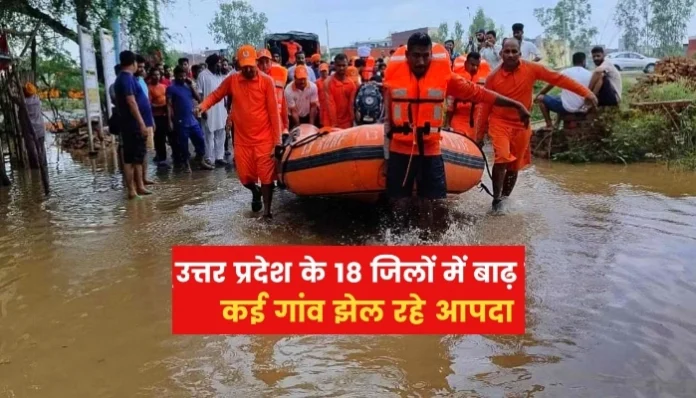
(136, 122)
(256, 126)
(515, 78)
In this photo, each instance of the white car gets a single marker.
(624, 60)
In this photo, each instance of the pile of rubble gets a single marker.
(671, 69)
(79, 139)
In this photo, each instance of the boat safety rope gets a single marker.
(297, 144)
(482, 186)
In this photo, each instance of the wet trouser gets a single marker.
(193, 133)
(214, 143)
(510, 144)
(162, 135)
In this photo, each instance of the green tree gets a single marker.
(237, 24)
(59, 71)
(628, 19)
(458, 37)
(480, 21)
(52, 15)
(668, 25)
(568, 21)
(654, 27)
(442, 33)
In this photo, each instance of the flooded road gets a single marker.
(85, 291)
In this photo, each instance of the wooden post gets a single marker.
(33, 57)
(4, 179)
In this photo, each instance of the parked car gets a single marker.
(624, 60)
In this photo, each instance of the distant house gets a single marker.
(691, 47)
(381, 47)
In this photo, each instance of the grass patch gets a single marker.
(673, 91)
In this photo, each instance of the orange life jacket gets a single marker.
(279, 75)
(369, 69)
(352, 73)
(459, 65)
(417, 105)
(460, 69)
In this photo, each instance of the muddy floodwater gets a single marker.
(85, 290)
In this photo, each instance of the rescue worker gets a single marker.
(353, 74)
(279, 75)
(256, 126)
(515, 78)
(324, 119)
(292, 48)
(340, 92)
(418, 79)
(302, 97)
(315, 62)
(460, 115)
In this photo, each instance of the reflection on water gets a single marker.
(85, 290)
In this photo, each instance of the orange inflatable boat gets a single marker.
(350, 163)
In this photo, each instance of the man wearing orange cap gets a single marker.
(256, 126)
(315, 62)
(340, 93)
(302, 98)
(279, 76)
(324, 118)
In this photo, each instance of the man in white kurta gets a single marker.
(214, 124)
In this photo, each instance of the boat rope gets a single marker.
(306, 140)
(482, 186)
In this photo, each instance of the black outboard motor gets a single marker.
(369, 104)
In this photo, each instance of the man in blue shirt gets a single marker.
(135, 123)
(180, 96)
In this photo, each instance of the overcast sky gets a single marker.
(356, 20)
(367, 19)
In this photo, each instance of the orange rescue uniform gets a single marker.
(339, 95)
(508, 134)
(280, 76)
(324, 117)
(292, 48)
(462, 121)
(256, 124)
(416, 104)
(369, 69)
(353, 74)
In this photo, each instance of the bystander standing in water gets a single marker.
(214, 124)
(135, 120)
(180, 97)
(158, 99)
